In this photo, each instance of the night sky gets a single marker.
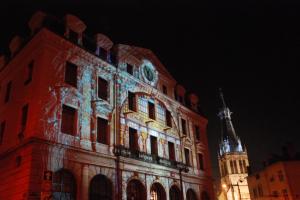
(249, 48)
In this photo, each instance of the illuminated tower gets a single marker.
(233, 159)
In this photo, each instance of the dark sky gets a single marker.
(250, 48)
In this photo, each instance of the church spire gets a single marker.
(229, 140)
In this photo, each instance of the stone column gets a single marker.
(85, 183)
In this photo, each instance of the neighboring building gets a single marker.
(83, 118)
(279, 180)
(233, 160)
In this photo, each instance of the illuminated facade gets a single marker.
(233, 160)
(84, 119)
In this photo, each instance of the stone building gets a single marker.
(83, 118)
(233, 160)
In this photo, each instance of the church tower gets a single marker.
(233, 159)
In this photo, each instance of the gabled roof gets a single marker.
(140, 54)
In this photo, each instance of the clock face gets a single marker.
(148, 72)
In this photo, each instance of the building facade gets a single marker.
(232, 159)
(277, 181)
(84, 118)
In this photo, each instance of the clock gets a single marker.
(148, 73)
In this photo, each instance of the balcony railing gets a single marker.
(129, 153)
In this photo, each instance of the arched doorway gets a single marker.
(204, 196)
(100, 188)
(191, 195)
(157, 192)
(135, 190)
(64, 185)
(174, 193)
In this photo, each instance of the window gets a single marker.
(187, 156)
(153, 141)
(201, 164)
(29, 72)
(64, 185)
(171, 150)
(168, 118)
(102, 131)
(260, 191)
(24, 117)
(280, 176)
(71, 74)
(129, 69)
(235, 166)
(245, 167)
(2, 129)
(133, 139)
(285, 193)
(8, 91)
(102, 88)
(131, 101)
(69, 122)
(183, 124)
(151, 110)
(165, 90)
(73, 36)
(255, 193)
(197, 132)
(241, 166)
(231, 167)
(275, 194)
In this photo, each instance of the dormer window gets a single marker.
(73, 36)
(129, 69)
(165, 90)
(183, 124)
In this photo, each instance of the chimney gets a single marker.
(194, 100)
(74, 28)
(36, 22)
(15, 45)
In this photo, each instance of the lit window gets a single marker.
(29, 72)
(2, 129)
(71, 74)
(8, 92)
(102, 88)
(69, 122)
(102, 131)
(143, 104)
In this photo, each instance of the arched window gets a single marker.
(174, 193)
(64, 185)
(100, 188)
(204, 196)
(136, 190)
(157, 192)
(191, 195)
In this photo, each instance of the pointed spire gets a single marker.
(229, 140)
(222, 98)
